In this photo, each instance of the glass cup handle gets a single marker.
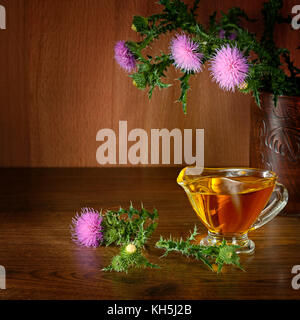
(272, 210)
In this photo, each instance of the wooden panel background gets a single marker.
(59, 84)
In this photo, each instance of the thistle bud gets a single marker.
(243, 85)
(130, 248)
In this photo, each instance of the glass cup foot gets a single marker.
(247, 246)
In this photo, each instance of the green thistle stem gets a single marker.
(220, 255)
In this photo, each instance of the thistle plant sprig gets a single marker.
(126, 226)
(130, 229)
(129, 257)
(220, 255)
(203, 43)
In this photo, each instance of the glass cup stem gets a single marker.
(246, 245)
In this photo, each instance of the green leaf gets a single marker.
(124, 226)
(256, 97)
(212, 22)
(141, 24)
(133, 46)
(139, 80)
(221, 255)
(184, 85)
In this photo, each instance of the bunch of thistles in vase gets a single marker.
(228, 65)
(237, 58)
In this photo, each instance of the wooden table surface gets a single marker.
(42, 262)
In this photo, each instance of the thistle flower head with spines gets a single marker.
(86, 228)
(185, 53)
(229, 68)
(124, 56)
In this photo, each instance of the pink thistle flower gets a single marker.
(229, 67)
(222, 34)
(185, 53)
(86, 228)
(124, 56)
(232, 36)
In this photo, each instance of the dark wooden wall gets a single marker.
(59, 84)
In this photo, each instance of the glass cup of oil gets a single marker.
(230, 202)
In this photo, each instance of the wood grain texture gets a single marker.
(14, 116)
(60, 84)
(36, 207)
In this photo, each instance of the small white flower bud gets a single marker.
(130, 248)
